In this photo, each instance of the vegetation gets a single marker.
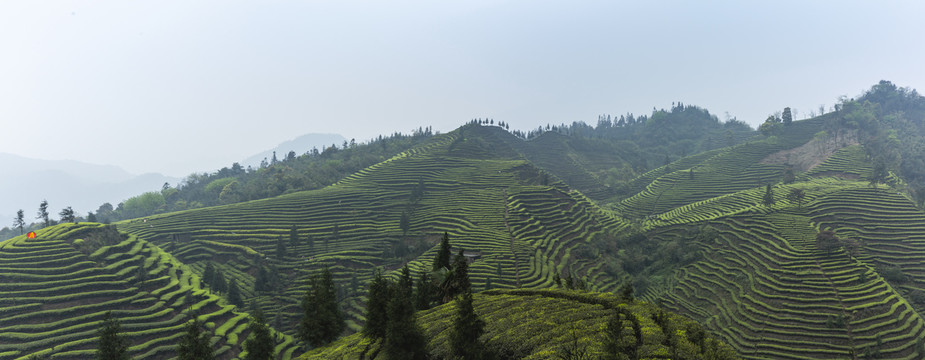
(799, 243)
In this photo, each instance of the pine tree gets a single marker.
(280, 249)
(322, 321)
(260, 344)
(768, 195)
(467, 328)
(112, 346)
(194, 345)
(220, 284)
(405, 284)
(234, 295)
(442, 260)
(43, 213)
(787, 116)
(20, 221)
(404, 339)
(377, 302)
(208, 274)
(457, 280)
(424, 296)
(293, 236)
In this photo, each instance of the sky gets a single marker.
(177, 87)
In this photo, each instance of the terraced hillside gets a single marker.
(569, 318)
(56, 288)
(519, 226)
(767, 286)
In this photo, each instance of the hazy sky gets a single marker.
(182, 86)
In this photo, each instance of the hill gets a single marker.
(569, 321)
(57, 287)
(798, 243)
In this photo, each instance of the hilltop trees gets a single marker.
(43, 213)
(20, 221)
(787, 117)
(322, 321)
(112, 346)
(194, 345)
(67, 215)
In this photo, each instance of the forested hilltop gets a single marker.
(799, 240)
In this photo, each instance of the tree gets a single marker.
(404, 339)
(234, 295)
(442, 259)
(467, 328)
(770, 127)
(879, 174)
(377, 302)
(43, 213)
(219, 282)
(194, 345)
(827, 241)
(67, 215)
(768, 195)
(797, 196)
(112, 346)
(457, 281)
(208, 274)
(293, 236)
(405, 284)
(20, 221)
(260, 344)
(280, 249)
(426, 291)
(322, 321)
(787, 117)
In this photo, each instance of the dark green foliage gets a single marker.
(405, 284)
(259, 345)
(622, 343)
(787, 116)
(322, 320)
(208, 274)
(280, 249)
(377, 303)
(194, 345)
(404, 339)
(234, 294)
(827, 241)
(111, 345)
(404, 223)
(880, 174)
(293, 236)
(442, 259)
(67, 215)
(768, 195)
(220, 285)
(425, 292)
(626, 292)
(265, 280)
(457, 279)
(797, 196)
(467, 328)
(789, 176)
(557, 279)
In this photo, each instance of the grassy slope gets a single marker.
(537, 324)
(488, 198)
(53, 297)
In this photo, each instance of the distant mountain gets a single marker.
(300, 145)
(82, 186)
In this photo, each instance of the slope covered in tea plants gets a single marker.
(56, 288)
(551, 324)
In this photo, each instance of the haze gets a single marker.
(176, 86)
